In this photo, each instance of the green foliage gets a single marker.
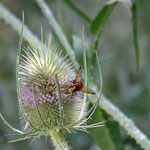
(107, 137)
(101, 135)
(135, 32)
(98, 24)
(77, 10)
(114, 131)
(99, 21)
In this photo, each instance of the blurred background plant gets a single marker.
(125, 87)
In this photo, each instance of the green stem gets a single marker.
(16, 24)
(85, 69)
(77, 10)
(125, 122)
(59, 140)
(58, 31)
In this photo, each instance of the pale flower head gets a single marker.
(38, 68)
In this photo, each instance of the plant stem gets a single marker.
(54, 25)
(125, 122)
(77, 11)
(59, 140)
(16, 24)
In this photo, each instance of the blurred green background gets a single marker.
(126, 88)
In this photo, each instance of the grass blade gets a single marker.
(135, 33)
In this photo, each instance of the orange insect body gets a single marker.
(78, 85)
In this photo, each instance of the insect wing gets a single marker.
(78, 74)
(88, 91)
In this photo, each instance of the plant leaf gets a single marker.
(100, 135)
(114, 132)
(96, 28)
(77, 10)
(101, 18)
(135, 33)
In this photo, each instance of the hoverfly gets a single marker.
(78, 85)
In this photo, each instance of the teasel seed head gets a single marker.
(49, 93)
(39, 94)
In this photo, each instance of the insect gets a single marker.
(78, 85)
